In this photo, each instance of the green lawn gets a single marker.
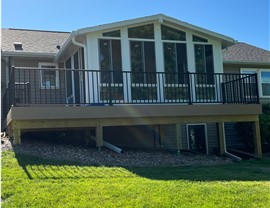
(29, 181)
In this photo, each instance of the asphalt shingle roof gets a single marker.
(33, 41)
(244, 52)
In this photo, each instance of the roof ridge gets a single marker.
(33, 30)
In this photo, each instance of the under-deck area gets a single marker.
(33, 118)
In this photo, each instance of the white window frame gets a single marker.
(261, 82)
(55, 66)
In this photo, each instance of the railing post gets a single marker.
(12, 87)
(189, 87)
(257, 88)
(110, 87)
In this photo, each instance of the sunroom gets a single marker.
(146, 71)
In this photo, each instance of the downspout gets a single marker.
(85, 66)
(234, 157)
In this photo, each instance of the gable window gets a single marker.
(49, 76)
(169, 33)
(142, 32)
(199, 39)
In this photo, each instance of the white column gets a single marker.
(159, 60)
(93, 64)
(125, 49)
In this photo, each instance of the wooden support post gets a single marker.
(99, 137)
(17, 136)
(221, 134)
(178, 137)
(257, 139)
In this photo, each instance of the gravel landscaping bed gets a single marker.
(90, 156)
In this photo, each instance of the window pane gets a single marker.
(169, 33)
(104, 57)
(266, 89)
(117, 61)
(199, 58)
(199, 39)
(265, 77)
(136, 61)
(169, 57)
(48, 78)
(145, 31)
(115, 33)
(150, 62)
(204, 63)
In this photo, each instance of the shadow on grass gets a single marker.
(39, 168)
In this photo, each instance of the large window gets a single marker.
(143, 61)
(110, 61)
(49, 76)
(175, 63)
(175, 59)
(111, 69)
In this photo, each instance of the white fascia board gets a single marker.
(200, 30)
(120, 24)
(161, 18)
(27, 54)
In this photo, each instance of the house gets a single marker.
(245, 58)
(153, 82)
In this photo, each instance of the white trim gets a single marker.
(205, 132)
(40, 64)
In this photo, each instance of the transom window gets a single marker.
(169, 33)
(49, 76)
(115, 33)
(143, 32)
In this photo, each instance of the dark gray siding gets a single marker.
(212, 137)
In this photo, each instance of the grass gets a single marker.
(29, 181)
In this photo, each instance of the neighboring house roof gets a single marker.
(33, 42)
(243, 53)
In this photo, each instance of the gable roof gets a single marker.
(243, 53)
(34, 42)
(225, 40)
(161, 18)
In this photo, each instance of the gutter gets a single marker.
(263, 63)
(28, 54)
(84, 50)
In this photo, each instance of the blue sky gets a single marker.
(244, 20)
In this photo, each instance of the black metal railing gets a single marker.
(91, 87)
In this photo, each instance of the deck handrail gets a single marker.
(105, 87)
